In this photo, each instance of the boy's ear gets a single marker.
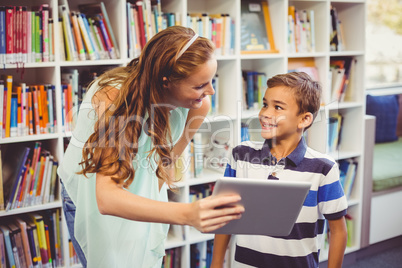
(306, 120)
(165, 83)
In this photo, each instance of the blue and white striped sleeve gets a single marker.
(331, 198)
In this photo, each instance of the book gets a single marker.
(44, 8)
(2, 250)
(40, 227)
(8, 85)
(2, 34)
(8, 247)
(24, 236)
(33, 242)
(16, 239)
(256, 30)
(100, 9)
(2, 207)
(12, 168)
(29, 190)
(10, 56)
(77, 36)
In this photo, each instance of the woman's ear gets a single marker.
(165, 83)
(306, 120)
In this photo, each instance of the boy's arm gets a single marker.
(337, 243)
(221, 242)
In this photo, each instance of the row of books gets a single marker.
(32, 240)
(26, 36)
(337, 39)
(191, 161)
(144, 20)
(301, 30)
(254, 86)
(219, 28)
(348, 170)
(341, 76)
(201, 254)
(87, 34)
(28, 176)
(335, 122)
(26, 110)
(172, 259)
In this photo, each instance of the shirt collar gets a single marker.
(295, 157)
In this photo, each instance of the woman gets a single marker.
(134, 122)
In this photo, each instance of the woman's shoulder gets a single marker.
(104, 97)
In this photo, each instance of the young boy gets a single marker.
(290, 105)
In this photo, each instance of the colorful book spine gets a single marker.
(77, 36)
(2, 98)
(45, 32)
(10, 56)
(13, 116)
(2, 35)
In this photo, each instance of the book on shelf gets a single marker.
(172, 258)
(197, 155)
(27, 110)
(22, 243)
(29, 176)
(219, 28)
(2, 250)
(215, 97)
(16, 242)
(98, 10)
(2, 207)
(341, 69)
(254, 86)
(25, 241)
(2, 34)
(301, 33)
(337, 42)
(40, 227)
(86, 34)
(14, 160)
(348, 170)
(8, 246)
(256, 28)
(26, 34)
(335, 124)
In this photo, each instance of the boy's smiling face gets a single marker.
(279, 117)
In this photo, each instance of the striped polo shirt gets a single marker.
(325, 200)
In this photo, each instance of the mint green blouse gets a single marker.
(109, 241)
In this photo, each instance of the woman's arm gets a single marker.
(337, 242)
(113, 199)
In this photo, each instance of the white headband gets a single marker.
(186, 46)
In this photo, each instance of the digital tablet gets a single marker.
(271, 206)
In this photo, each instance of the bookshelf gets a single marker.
(230, 115)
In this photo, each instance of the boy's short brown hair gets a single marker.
(307, 92)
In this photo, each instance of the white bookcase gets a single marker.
(230, 114)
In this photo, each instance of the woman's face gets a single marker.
(188, 93)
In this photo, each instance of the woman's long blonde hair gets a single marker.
(113, 146)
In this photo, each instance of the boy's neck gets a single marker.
(282, 148)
